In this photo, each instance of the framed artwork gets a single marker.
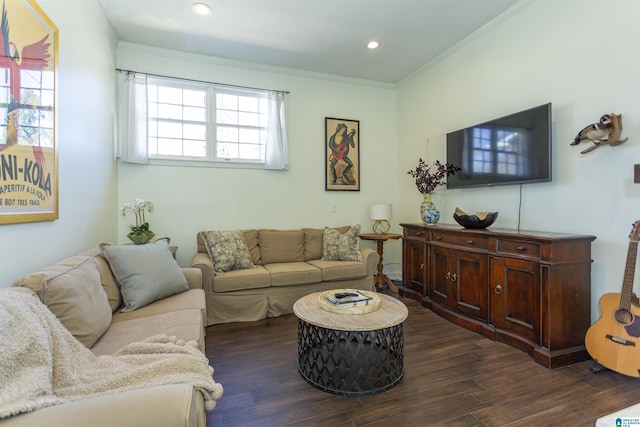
(28, 139)
(342, 154)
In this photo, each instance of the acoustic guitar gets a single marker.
(614, 340)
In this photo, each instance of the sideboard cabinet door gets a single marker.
(515, 296)
(414, 267)
(459, 281)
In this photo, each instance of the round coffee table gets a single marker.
(351, 354)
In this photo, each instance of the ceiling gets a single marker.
(324, 36)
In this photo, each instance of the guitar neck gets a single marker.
(627, 283)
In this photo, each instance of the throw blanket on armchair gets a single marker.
(42, 364)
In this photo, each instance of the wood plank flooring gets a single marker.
(453, 377)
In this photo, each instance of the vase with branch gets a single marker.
(427, 180)
(140, 232)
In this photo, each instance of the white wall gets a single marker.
(188, 200)
(87, 172)
(581, 56)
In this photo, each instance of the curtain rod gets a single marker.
(196, 81)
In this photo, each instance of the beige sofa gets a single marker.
(285, 265)
(68, 288)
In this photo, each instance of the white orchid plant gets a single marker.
(139, 207)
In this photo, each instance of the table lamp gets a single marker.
(380, 214)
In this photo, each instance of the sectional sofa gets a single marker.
(130, 306)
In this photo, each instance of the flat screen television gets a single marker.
(515, 149)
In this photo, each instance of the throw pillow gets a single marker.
(145, 273)
(71, 289)
(313, 241)
(227, 250)
(337, 246)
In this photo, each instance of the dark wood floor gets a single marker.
(453, 377)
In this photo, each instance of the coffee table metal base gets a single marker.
(350, 363)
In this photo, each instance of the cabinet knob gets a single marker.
(470, 242)
(521, 248)
(454, 277)
(497, 290)
(448, 275)
(422, 266)
(438, 237)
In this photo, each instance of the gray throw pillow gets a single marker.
(228, 250)
(337, 246)
(145, 273)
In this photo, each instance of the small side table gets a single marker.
(380, 238)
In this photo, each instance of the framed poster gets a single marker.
(28, 143)
(342, 154)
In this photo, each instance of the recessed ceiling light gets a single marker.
(373, 44)
(201, 9)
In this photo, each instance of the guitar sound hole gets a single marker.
(623, 316)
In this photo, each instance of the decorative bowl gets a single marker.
(475, 220)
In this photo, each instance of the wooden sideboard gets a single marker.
(531, 290)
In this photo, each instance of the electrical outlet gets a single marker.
(334, 208)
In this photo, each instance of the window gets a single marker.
(197, 121)
(241, 125)
(177, 122)
(164, 120)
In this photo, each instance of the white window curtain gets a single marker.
(133, 120)
(277, 147)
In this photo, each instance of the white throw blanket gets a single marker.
(42, 364)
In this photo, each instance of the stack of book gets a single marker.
(348, 299)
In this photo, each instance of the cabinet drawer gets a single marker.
(415, 232)
(477, 242)
(517, 247)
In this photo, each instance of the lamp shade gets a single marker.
(380, 212)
